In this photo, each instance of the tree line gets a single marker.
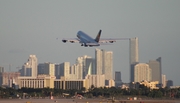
(102, 92)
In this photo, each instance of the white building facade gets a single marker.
(104, 63)
(96, 80)
(142, 72)
(30, 67)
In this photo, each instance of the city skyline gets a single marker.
(29, 27)
(102, 53)
(82, 68)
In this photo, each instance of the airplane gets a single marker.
(86, 40)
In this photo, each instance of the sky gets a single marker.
(32, 26)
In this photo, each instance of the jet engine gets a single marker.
(64, 41)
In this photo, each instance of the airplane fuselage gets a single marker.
(85, 39)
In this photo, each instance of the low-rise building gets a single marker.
(95, 80)
(151, 85)
(8, 78)
(41, 81)
(109, 83)
(69, 84)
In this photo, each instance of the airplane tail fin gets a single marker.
(98, 36)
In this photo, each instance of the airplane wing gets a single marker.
(72, 40)
(111, 40)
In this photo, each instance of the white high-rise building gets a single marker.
(30, 67)
(75, 72)
(49, 69)
(142, 72)
(108, 65)
(163, 81)
(90, 67)
(65, 69)
(95, 80)
(104, 63)
(73, 69)
(82, 64)
(98, 61)
(79, 71)
(134, 52)
(133, 55)
(73, 75)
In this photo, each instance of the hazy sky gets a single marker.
(32, 26)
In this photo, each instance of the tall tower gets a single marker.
(155, 65)
(104, 63)
(163, 80)
(108, 65)
(98, 61)
(1, 69)
(30, 67)
(133, 55)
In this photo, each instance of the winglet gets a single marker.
(98, 36)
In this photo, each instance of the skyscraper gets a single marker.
(142, 72)
(41, 68)
(163, 80)
(57, 71)
(30, 67)
(134, 50)
(1, 69)
(133, 55)
(104, 63)
(49, 69)
(118, 80)
(108, 65)
(169, 83)
(90, 66)
(65, 69)
(117, 76)
(155, 65)
(98, 61)
(81, 66)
